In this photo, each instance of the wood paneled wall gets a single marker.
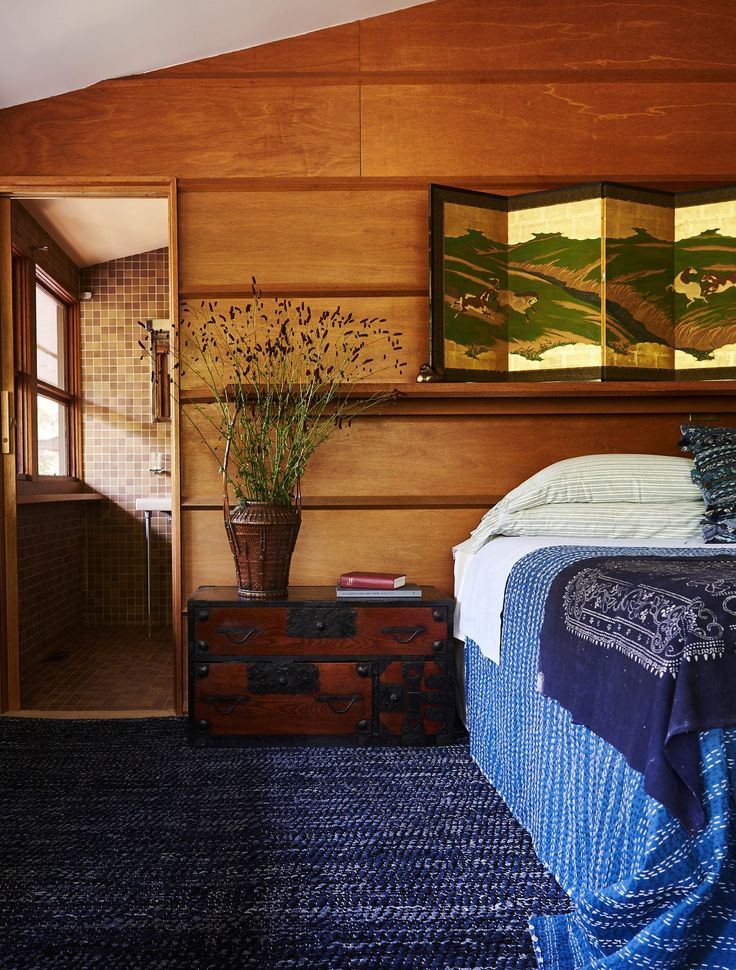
(307, 162)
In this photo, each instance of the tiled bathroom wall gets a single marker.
(120, 438)
(51, 577)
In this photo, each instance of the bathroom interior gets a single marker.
(95, 474)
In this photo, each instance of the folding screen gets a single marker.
(600, 281)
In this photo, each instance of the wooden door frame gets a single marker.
(31, 187)
(9, 647)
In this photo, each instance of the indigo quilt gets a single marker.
(645, 893)
(642, 650)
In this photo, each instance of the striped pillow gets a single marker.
(582, 485)
(618, 520)
(714, 454)
(607, 478)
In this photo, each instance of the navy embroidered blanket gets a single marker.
(642, 650)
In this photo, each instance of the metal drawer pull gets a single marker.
(218, 701)
(404, 634)
(238, 634)
(331, 699)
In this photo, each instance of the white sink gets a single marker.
(153, 503)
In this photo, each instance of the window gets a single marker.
(52, 410)
(47, 406)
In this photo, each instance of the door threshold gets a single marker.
(90, 715)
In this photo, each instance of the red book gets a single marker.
(357, 580)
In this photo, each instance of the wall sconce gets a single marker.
(158, 334)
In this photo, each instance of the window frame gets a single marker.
(26, 276)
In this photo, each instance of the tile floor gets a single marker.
(106, 669)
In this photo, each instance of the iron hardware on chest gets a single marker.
(310, 669)
(312, 621)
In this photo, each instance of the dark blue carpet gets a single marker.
(123, 847)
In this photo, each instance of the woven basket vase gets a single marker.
(262, 539)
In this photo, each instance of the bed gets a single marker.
(645, 891)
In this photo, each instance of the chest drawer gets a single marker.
(300, 629)
(282, 698)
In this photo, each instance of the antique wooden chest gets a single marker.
(320, 669)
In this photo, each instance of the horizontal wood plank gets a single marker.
(330, 542)
(227, 127)
(547, 128)
(451, 455)
(405, 318)
(372, 239)
(643, 36)
(677, 180)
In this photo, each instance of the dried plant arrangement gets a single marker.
(282, 380)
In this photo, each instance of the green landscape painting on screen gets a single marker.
(529, 297)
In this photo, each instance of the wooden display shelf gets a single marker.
(470, 389)
(534, 398)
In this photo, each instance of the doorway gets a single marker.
(96, 629)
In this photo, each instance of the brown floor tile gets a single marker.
(105, 669)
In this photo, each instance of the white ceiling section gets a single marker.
(97, 230)
(49, 47)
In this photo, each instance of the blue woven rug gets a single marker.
(123, 847)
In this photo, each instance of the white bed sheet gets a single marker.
(480, 580)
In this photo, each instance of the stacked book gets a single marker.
(375, 586)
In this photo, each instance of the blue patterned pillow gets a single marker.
(714, 457)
